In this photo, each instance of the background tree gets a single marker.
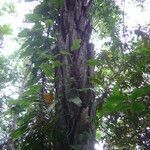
(126, 110)
(9, 78)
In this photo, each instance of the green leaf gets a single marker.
(99, 135)
(109, 107)
(96, 80)
(44, 55)
(5, 29)
(28, 101)
(116, 98)
(49, 22)
(57, 63)
(76, 101)
(76, 44)
(33, 18)
(8, 7)
(57, 3)
(115, 103)
(140, 92)
(24, 32)
(27, 118)
(122, 107)
(138, 107)
(17, 133)
(93, 62)
(32, 90)
(48, 69)
(116, 90)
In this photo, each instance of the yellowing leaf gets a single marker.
(48, 98)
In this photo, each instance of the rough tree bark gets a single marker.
(72, 78)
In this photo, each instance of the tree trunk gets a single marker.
(72, 77)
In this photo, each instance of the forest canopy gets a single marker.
(59, 91)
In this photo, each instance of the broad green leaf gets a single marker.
(122, 107)
(33, 18)
(26, 52)
(32, 90)
(26, 44)
(76, 44)
(115, 98)
(138, 107)
(24, 32)
(110, 107)
(5, 29)
(19, 132)
(93, 62)
(114, 103)
(44, 55)
(57, 63)
(99, 135)
(57, 3)
(140, 92)
(96, 80)
(27, 118)
(48, 69)
(28, 101)
(49, 22)
(116, 90)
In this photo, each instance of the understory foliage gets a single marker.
(121, 82)
(124, 115)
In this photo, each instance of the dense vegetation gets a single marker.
(59, 105)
